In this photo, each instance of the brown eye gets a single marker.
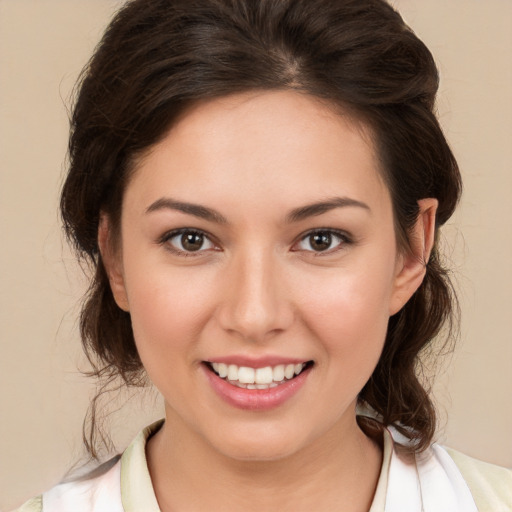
(192, 241)
(188, 241)
(323, 241)
(320, 241)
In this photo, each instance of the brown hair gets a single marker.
(158, 57)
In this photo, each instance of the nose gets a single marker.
(255, 303)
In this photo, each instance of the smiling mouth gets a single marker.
(257, 378)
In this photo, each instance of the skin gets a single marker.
(257, 287)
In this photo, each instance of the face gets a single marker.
(258, 261)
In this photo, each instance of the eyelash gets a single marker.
(165, 239)
(343, 238)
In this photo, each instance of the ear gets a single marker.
(112, 260)
(412, 264)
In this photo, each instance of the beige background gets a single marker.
(43, 45)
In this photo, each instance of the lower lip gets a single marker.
(256, 399)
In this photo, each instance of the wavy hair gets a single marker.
(159, 57)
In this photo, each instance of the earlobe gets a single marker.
(412, 265)
(112, 261)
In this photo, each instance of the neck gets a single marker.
(342, 466)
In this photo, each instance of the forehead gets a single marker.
(281, 144)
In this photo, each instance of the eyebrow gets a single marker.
(296, 215)
(314, 209)
(192, 209)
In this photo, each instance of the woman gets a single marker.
(260, 186)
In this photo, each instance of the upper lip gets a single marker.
(256, 362)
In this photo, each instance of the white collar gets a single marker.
(427, 482)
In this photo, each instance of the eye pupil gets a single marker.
(192, 241)
(320, 241)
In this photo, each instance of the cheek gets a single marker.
(168, 307)
(348, 313)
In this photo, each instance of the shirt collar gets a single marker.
(137, 491)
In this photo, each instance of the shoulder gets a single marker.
(441, 479)
(490, 485)
(33, 505)
(92, 493)
(123, 479)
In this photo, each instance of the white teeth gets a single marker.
(232, 372)
(253, 386)
(289, 371)
(264, 375)
(257, 378)
(246, 375)
(278, 373)
(222, 370)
